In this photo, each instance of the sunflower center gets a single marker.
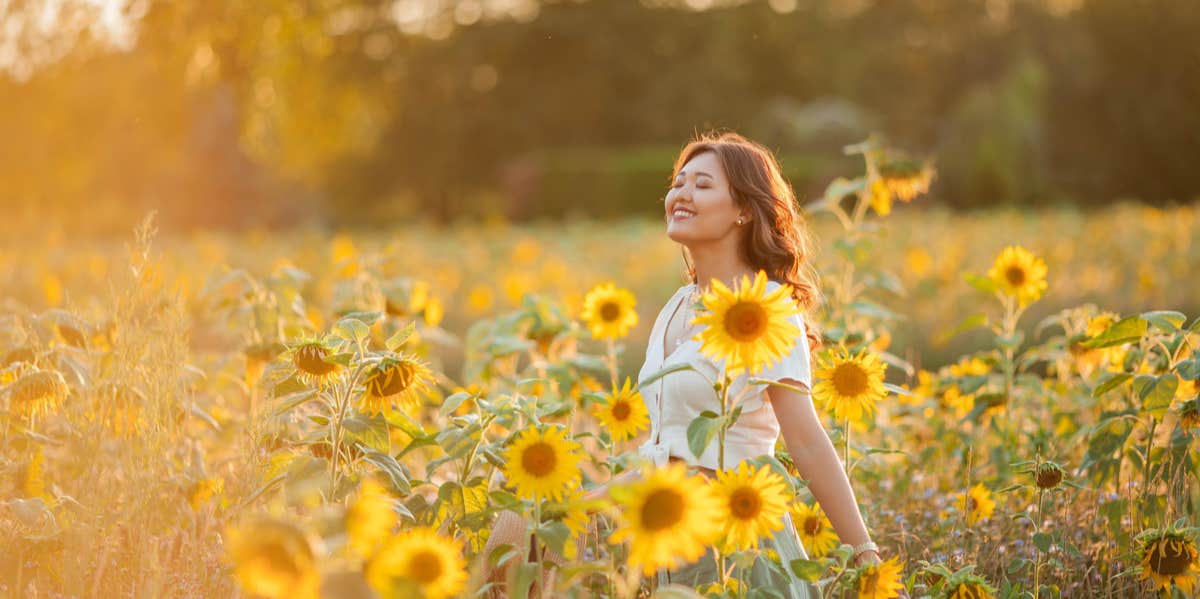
(812, 525)
(610, 312)
(745, 504)
(1015, 275)
(850, 380)
(663, 508)
(539, 459)
(1169, 557)
(746, 321)
(972, 503)
(621, 410)
(425, 566)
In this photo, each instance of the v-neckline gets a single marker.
(662, 343)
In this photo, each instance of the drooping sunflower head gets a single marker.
(754, 501)
(850, 384)
(370, 518)
(1168, 557)
(881, 580)
(1047, 475)
(609, 311)
(311, 360)
(273, 558)
(969, 586)
(1020, 274)
(748, 328)
(906, 178)
(624, 414)
(543, 463)
(1189, 414)
(38, 393)
(668, 517)
(976, 504)
(815, 530)
(417, 563)
(403, 377)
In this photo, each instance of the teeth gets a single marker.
(685, 213)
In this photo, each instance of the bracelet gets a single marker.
(863, 548)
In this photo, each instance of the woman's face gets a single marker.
(699, 205)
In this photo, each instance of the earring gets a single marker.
(739, 221)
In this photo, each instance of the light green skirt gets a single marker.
(786, 544)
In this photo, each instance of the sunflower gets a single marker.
(1168, 556)
(850, 384)
(977, 503)
(571, 511)
(668, 518)
(624, 414)
(880, 580)
(1189, 414)
(543, 463)
(880, 197)
(749, 328)
(274, 559)
(906, 178)
(1020, 274)
(38, 393)
(311, 361)
(972, 586)
(401, 376)
(1047, 475)
(815, 529)
(608, 311)
(418, 562)
(370, 518)
(754, 501)
(922, 391)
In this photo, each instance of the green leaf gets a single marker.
(291, 401)
(1156, 392)
(351, 329)
(1189, 369)
(982, 283)
(451, 403)
(1042, 541)
(968, 323)
(367, 318)
(372, 431)
(664, 372)
(700, 433)
(1123, 331)
(554, 534)
(1110, 381)
(1166, 320)
(807, 569)
(399, 337)
(389, 466)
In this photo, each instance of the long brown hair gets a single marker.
(779, 240)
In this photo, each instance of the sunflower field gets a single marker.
(356, 413)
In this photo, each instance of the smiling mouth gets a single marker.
(682, 214)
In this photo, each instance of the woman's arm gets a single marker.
(817, 461)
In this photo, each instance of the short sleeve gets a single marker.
(796, 365)
(793, 368)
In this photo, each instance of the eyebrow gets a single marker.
(698, 173)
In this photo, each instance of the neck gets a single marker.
(722, 263)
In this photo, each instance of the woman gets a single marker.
(734, 214)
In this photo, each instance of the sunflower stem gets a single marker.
(612, 360)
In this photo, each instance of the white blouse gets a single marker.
(677, 398)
